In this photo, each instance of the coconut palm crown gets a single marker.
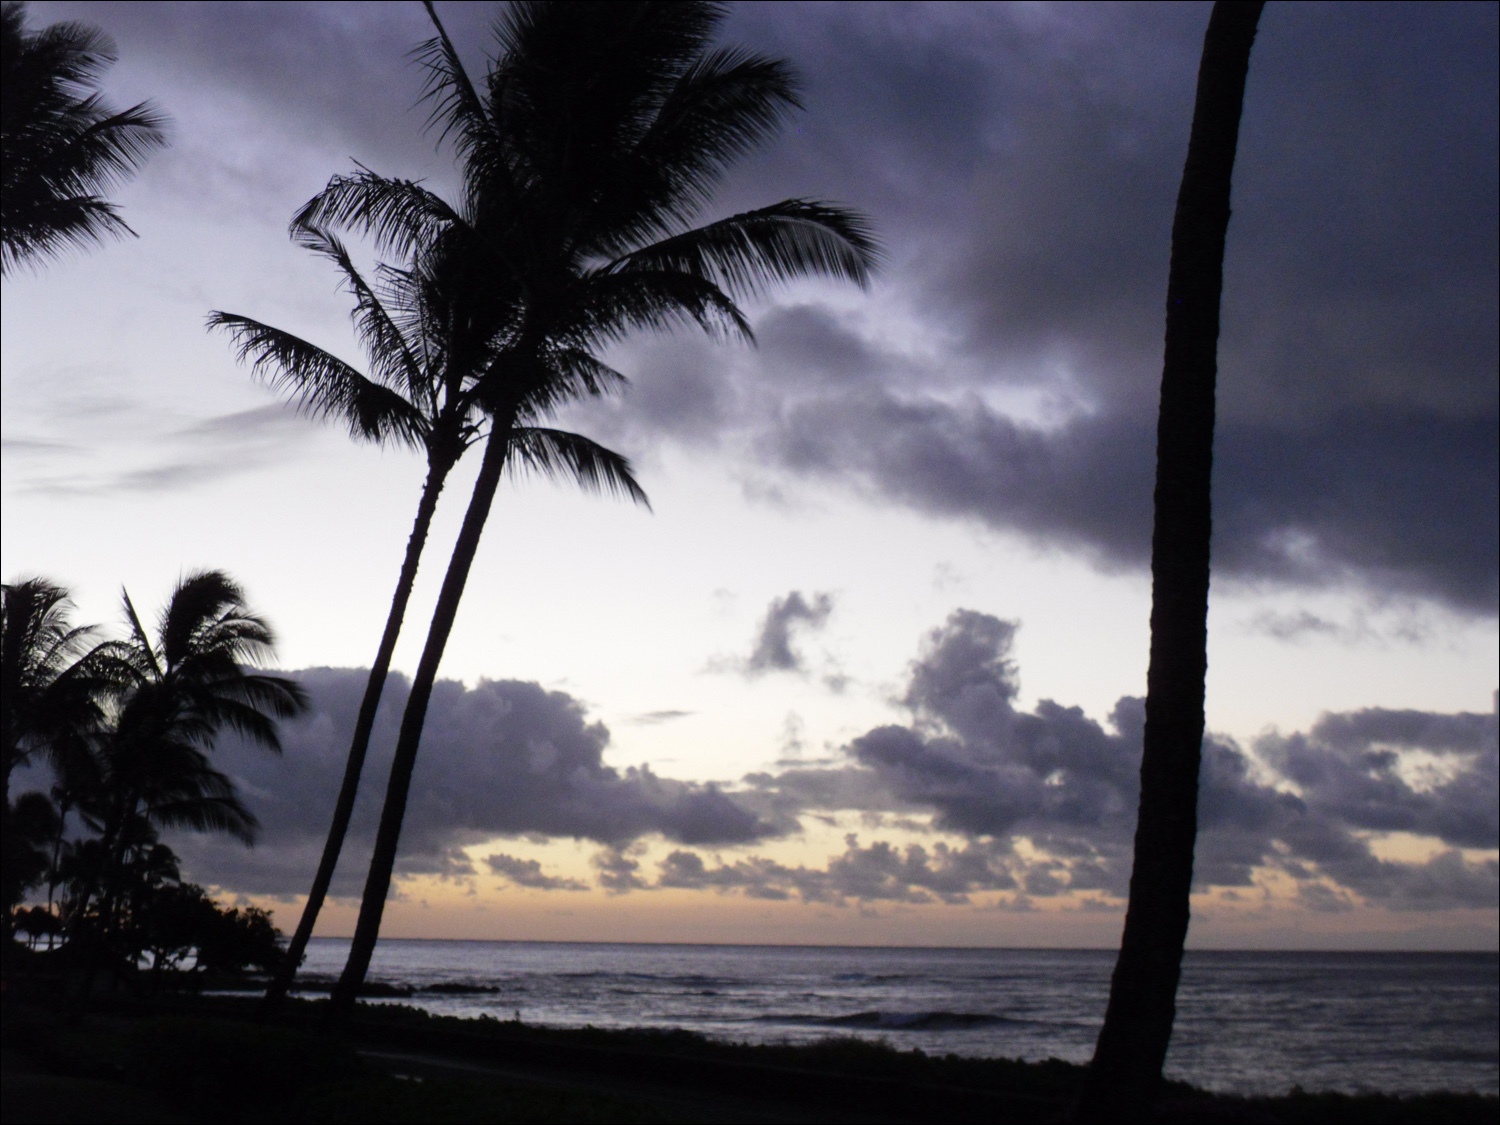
(61, 146)
(420, 393)
(596, 140)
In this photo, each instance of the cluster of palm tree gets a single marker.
(588, 151)
(127, 728)
(594, 141)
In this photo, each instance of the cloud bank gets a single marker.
(989, 799)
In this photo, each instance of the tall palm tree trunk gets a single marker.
(388, 836)
(1125, 1076)
(437, 475)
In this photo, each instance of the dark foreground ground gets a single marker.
(206, 1060)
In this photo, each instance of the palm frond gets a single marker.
(141, 655)
(63, 147)
(557, 453)
(226, 814)
(721, 108)
(400, 216)
(785, 241)
(47, 228)
(391, 356)
(608, 304)
(320, 385)
(456, 106)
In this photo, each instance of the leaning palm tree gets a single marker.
(1125, 1076)
(599, 137)
(61, 146)
(421, 395)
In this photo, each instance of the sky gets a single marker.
(869, 669)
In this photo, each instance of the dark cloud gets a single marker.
(1021, 164)
(993, 774)
(1351, 766)
(1023, 168)
(1405, 503)
(509, 758)
(773, 651)
(504, 758)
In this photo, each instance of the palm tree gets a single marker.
(61, 146)
(46, 689)
(52, 688)
(421, 396)
(1125, 1075)
(190, 683)
(601, 133)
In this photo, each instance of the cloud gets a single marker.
(1022, 166)
(991, 774)
(1031, 804)
(617, 871)
(773, 651)
(652, 718)
(878, 873)
(218, 447)
(504, 758)
(528, 873)
(275, 422)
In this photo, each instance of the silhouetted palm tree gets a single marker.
(422, 396)
(602, 132)
(51, 695)
(45, 687)
(61, 147)
(1125, 1075)
(194, 680)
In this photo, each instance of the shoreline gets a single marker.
(209, 1051)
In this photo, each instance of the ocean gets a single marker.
(1247, 1022)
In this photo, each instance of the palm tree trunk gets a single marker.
(383, 862)
(437, 475)
(1125, 1076)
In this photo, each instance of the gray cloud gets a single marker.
(653, 718)
(275, 422)
(505, 758)
(991, 773)
(509, 758)
(216, 448)
(773, 651)
(878, 873)
(528, 873)
(1023, 168)
(1021, 165)
(618, 871)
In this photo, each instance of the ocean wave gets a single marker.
(869, 978)
(898, 1021)
(459, 988)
